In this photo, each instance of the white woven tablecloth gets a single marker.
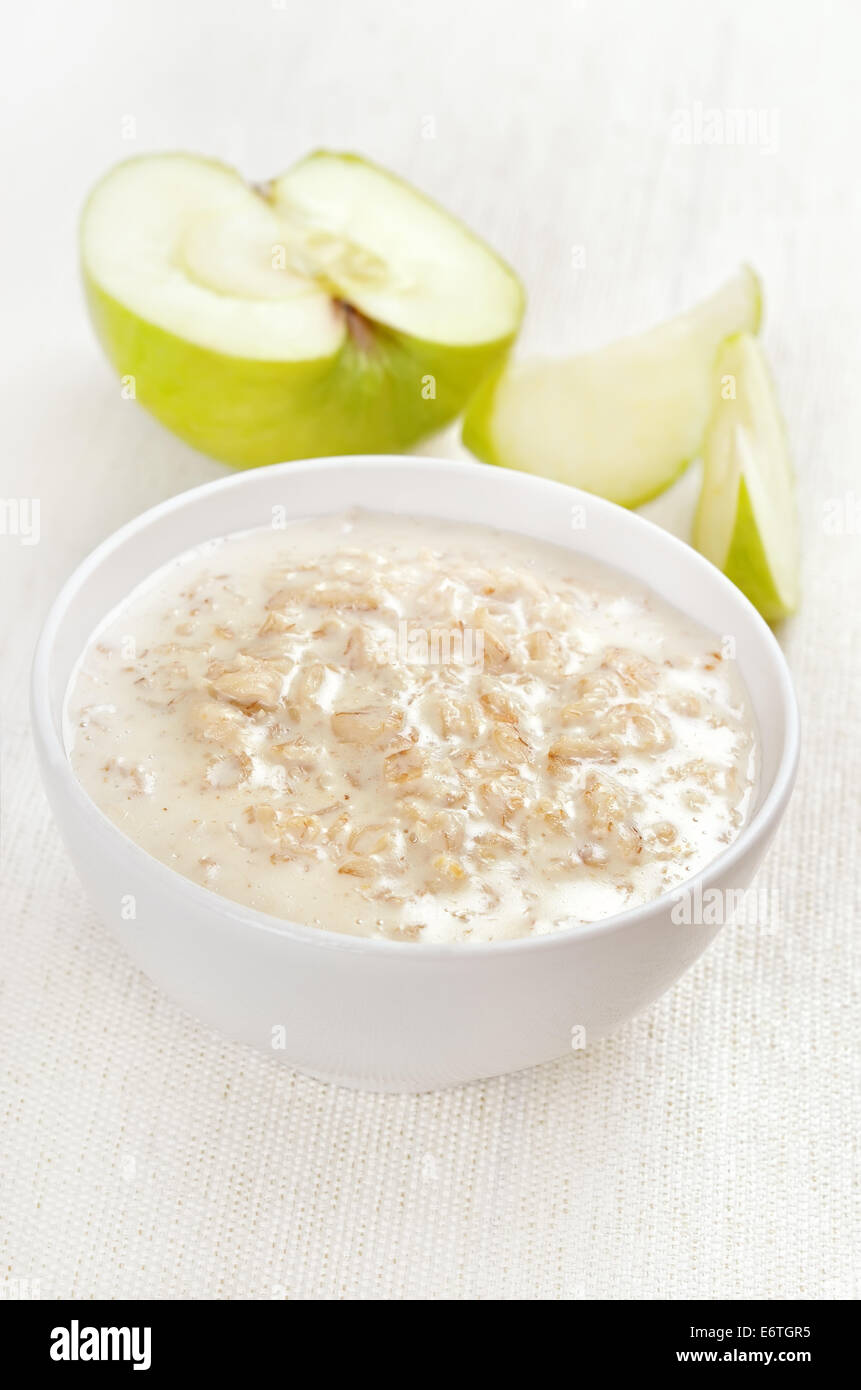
(705, 1150)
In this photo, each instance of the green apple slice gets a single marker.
(747, 519)
(623, 421)
(333, 310)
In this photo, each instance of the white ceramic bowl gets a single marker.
(378, 1014)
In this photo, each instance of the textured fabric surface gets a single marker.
(707, 1149)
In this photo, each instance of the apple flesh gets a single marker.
(333, 310)
(747, 518)
(624, 421)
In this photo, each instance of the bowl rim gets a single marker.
(51, 747)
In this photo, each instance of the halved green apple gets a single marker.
(333, 310)
(623, 421)
(747, 518)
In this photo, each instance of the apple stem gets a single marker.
(358, 327)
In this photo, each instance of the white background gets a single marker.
(705, 1150)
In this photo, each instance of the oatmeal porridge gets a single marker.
(411, 729)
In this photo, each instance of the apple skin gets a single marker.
(736, 545)
(253, 412)
(747, 564)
